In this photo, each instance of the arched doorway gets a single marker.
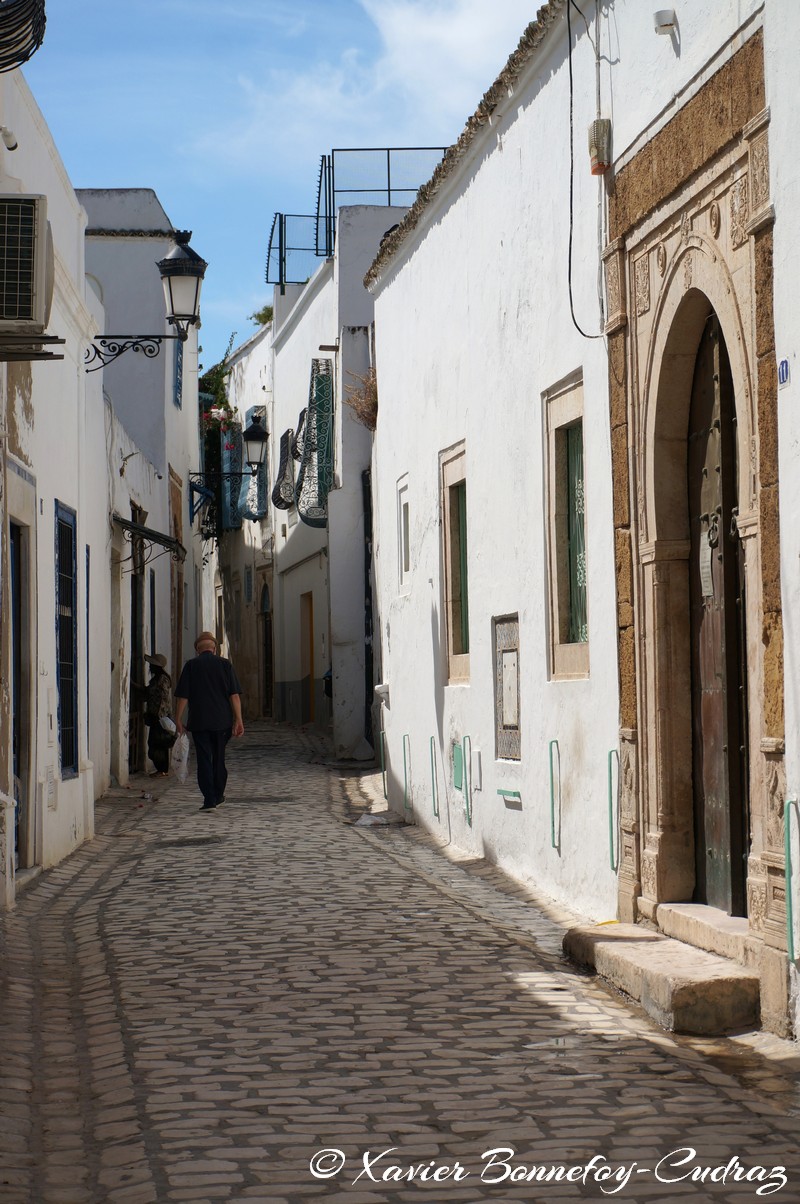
(697, 544)
(717, 632)
(266, 652)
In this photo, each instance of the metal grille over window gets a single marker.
(300, 437)
(578, 628)
(22, 25)
(231, 480)
(283, 490)
(17, 248)
(315, 477)
(67, 635)
(252, 501)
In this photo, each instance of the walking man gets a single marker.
(209, 685)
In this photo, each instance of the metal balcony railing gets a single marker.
(368, 176)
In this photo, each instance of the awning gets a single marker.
(149, 537)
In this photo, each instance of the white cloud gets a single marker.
(444, 54)
(436, 58)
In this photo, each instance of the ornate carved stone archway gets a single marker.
(691, 235)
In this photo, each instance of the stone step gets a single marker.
(684, 989)
(707, 928)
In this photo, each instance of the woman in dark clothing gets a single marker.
(158, 703)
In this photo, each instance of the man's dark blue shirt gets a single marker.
(207, 682)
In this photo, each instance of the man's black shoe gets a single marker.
(209, 807)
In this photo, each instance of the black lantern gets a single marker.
(182, 273)
(255, 442)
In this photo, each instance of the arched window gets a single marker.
(264, 608)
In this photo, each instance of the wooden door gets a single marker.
(307, 657)
(717, 633)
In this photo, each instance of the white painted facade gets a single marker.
(319, 574)
(472, 328)
(79, 448)
(52, 430)
(153, 446)
(474, 334)
(245, 556)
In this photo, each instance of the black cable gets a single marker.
(575, 323)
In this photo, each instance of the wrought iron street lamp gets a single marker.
(204, 487)
(182, 272)
(255, 442)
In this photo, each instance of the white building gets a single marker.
(243, 563)
(93, 481)
(54, 530)
(319, 453)
(152, 447)
(574, 482)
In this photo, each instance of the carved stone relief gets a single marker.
(756, 903)
(688, 268)
(649, 875)
(661, 259)
(614, 266)
(627, 782)
(775, 782)
(642, 279)
(759, 173)
(739, 211)
(714, 219)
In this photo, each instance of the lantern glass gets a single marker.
(182, 274)
(255, 443)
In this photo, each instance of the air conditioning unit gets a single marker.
(26, 265)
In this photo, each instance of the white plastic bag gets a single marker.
(180, 757)
(168, 724)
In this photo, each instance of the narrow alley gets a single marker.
(275, 1003)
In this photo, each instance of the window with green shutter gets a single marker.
(456, 560)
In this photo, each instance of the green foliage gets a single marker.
(263, 316)
(214, 382)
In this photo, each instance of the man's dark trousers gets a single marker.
(212, 774)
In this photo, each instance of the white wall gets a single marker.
(300, 564)
(249, 385)
(54, 420)
(472, 326)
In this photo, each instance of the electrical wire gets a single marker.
(575, 322)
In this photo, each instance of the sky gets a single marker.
(224, 108)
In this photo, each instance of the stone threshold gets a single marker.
(683, 988)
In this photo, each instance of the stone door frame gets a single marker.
(690, 245)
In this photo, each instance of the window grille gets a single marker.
(67, 639)
(578, 630)
(283, 490)
(458, 566)
(315, 477)
(455, 560)
(17, 257)
(231, 441)
(177, 393)
(566, 529)
(252, 502)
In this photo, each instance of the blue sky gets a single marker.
(224, 107)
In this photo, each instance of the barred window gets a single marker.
(67, 639)
(566, 530)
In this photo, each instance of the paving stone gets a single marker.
(197, 1022)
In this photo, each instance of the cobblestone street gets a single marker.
(196, 1006)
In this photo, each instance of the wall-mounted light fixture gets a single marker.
(600, 145)
(665, 21)
(203, 486)
(182, 272)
